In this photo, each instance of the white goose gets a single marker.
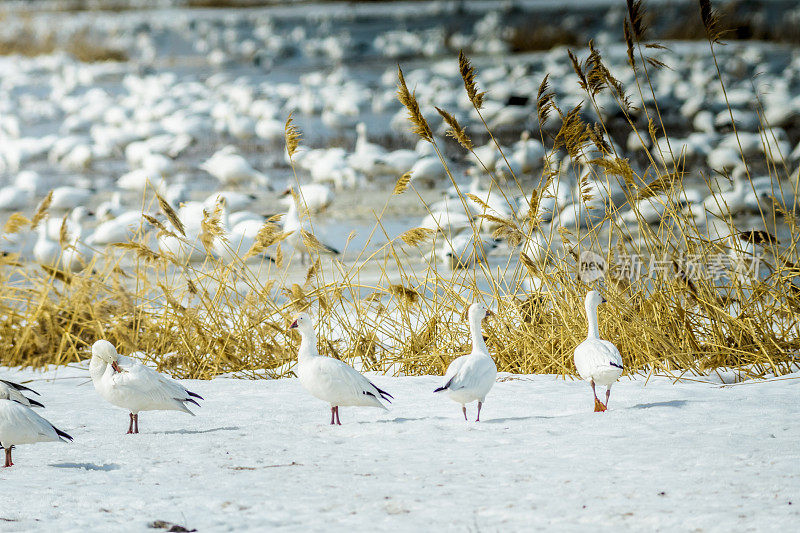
(20, 425)
(46, 251)
(598, 361)
(329, 379)
(295, 224)
(471, 377)
(229, 167)
(313, 197)
(127, 383)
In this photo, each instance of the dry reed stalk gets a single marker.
(292, 137)
(408, 99)
(41, 210)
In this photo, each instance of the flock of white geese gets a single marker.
(127, 383)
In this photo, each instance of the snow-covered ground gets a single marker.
(259, 455)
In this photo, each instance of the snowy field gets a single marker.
(690, 456)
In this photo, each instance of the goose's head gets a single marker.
(593, 299)
(106, 352)
(477, 312)
(302, 323)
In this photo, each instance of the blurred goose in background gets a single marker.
(650, 210)
(17, 196)
(465, 250)
(329, 379)
(118, 230)
(127, 383)
(74, 223)
(46, 251)
(295, 224)
(20, 425)
(232, 247)
(110, 208)
(75, 254)
(314, 197)
(742, 198)
(598, 361)
(470, 377)
(234, 200)
(230, 168)
(428, 171)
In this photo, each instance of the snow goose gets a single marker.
(16, 196)
(471, 377)
(67, 197)
(20, 425)
(110, 208)
(74, 223)
(234, 201)
(295, 224)
(315, 197)
(127, 383)
(428, 170)
(598, 361)
(465, 250)
(229, 167)
(329, 379)
(46, 251)
(76, 255)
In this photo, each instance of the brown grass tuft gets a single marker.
(468, 75)
(419, 124)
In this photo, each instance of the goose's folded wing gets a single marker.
(19, 387)
(342, 378)
(596, 355)
(15, 395)
(473, 375)
(24, 425)
(141, 380)
(452, 372)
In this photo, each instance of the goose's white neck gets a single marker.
(97, 367)
(475, 331)
(591, 317)
(475, 184)
(308, 345)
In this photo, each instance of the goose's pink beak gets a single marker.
(116, 367)
(294, 325)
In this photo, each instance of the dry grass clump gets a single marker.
(202, 320)
(30, 43)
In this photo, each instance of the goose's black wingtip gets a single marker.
(62, 434)
(440, 389)
(194, 394)
(19, 387)
(190, 400)
(612, 363)
(34, 403)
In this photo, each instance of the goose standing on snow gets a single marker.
(329, 379)
(127, 383)
(471, 377)
(19, 424)
(598, 361)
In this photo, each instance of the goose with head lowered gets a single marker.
(329, 379)
(470, 377)
(127, 383)
(598, 361)
(19, 424)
